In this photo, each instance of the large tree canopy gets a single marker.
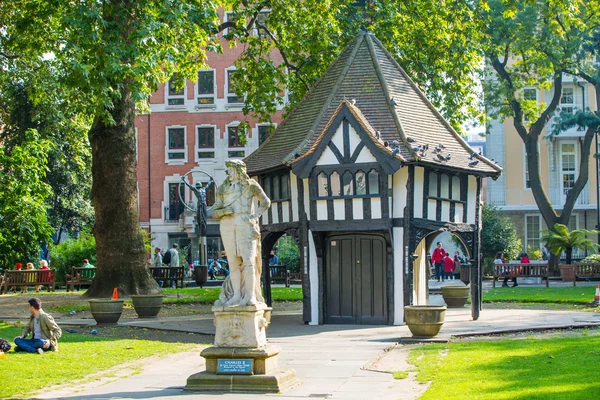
(534, 44)
(108, 56)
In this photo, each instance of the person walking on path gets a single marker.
(448, 267)
(438, 260)
(45, 331)
(458, 260)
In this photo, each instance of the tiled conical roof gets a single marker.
(387, 98)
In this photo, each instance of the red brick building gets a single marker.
(190, 129)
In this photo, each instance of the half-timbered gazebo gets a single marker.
(364, 173)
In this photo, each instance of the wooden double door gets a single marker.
(355, 280)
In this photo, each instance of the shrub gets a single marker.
(595, 258)
(288, 253)
(534, 254)
(71, 253)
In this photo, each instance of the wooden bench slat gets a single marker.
(27, 278)
(520, 270)
(80, 276)
(176, 274)
(584, 270)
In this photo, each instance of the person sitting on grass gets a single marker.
(45, 331)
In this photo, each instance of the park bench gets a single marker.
(80, 276)
(520, 270)
(280, 274)
(20, 278)
(582, 270)
(295, 278)
(168, 274)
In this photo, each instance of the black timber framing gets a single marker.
(304, 167)
(409, 212)
(476, 278)
(304, 252)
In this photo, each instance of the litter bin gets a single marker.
(200, 274)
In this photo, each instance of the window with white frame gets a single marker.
(205, 88)
(567, 100)
(232, 98)
(263, 133)
(231, 17)
(234, 143)
(176, 91)
(568, 165)
(533, 231)
(205, 142)
(261, 23)
(526, 168)
(176, 144)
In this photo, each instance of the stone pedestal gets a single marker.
(241, 335)
(241, 326)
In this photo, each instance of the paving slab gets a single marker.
(332, 361)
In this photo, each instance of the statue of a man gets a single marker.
(201, 209)
(234, 207)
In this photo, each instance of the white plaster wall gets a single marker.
(295, 201)
(339, 211)
(314, 280)
(328, 158)
(338, 138)
(471, 199)
(420, 292)
(400, 193)
(321, 210)
(357, 208)
(431, 209)
(375, 207)
(458, 213)
(445, 211)
(285, 209)
(418, 195)
(306, 198)
(275, 212)
(398, 240)
(365, 156)
(354, 139)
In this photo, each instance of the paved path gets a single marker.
(332, 361)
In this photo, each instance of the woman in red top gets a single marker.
(448, 266)
(437, 257)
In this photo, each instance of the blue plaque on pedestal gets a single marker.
(235, 366)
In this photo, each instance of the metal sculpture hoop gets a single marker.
(211, 181)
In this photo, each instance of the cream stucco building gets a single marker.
(559, 159)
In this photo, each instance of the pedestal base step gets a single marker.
(274, 382)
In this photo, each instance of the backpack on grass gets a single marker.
(4, 345)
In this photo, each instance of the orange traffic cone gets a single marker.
(115, 295)
(597, 296)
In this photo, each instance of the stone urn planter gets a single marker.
(106, 311)
(567, 272)
(424, 320)
(147, 306)
(455, 296)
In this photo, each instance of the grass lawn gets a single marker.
(209, 295)
(525, 368)
(569, 295)
(80, 355)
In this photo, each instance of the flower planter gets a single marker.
(106, 311)
(424, 320)
(147, 306)
(455, 296)
(567, 272)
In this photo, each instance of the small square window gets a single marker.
(261, 20)
(236, 154)
(176, 91)
(176, 144)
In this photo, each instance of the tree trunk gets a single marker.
(121, 256)
(569, 253)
